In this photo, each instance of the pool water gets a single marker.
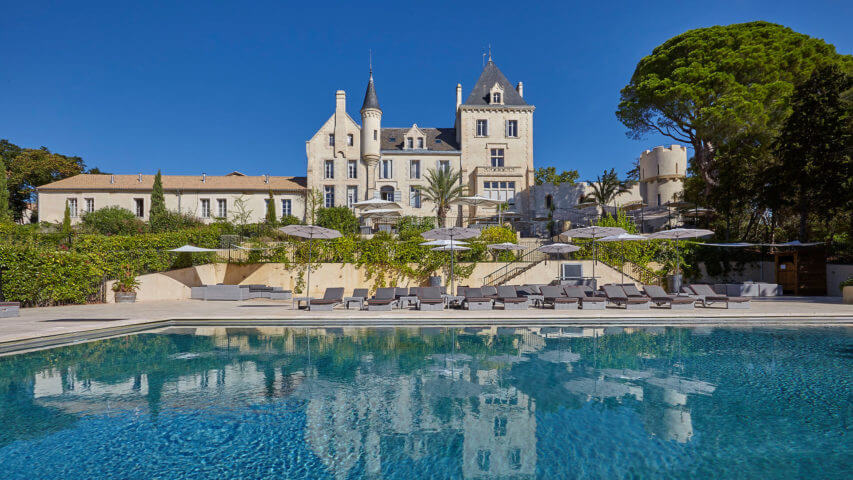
(192, 403)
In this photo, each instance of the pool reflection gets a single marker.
(456, 402)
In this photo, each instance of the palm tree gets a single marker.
(606, 188)
(444, 186)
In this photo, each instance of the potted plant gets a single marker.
(847, 290)
(125, 285)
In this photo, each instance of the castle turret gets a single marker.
(662, 173)
(371, 134)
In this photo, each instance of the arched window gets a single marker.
(496, 97)
(549, 202)
(387, 193)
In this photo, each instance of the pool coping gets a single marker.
(734, 321)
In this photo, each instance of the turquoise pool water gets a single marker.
(194, 403)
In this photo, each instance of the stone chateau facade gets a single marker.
(491, 143)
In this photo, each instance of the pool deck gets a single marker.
(48, 326)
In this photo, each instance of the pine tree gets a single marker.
(271, 218)
(5, 213)
(158, 204)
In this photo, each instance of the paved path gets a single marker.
(53, 325)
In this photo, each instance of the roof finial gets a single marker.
(490, 52)
(370, 62)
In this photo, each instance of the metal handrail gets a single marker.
(502, 274)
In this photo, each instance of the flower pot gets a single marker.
(673, 283)
(125, 297)
(847, 294)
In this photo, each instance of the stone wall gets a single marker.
(175, 284)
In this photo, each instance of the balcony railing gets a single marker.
(499, 171)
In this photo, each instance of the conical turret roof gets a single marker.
(491, 75)
(370, 98)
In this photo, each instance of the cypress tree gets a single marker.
(66, 220)
(5, 213)
(271, 218)
(158, 204)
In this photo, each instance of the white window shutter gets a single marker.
(412, 198)
(506, 128)
(398, 195)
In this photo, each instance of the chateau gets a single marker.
(491, 143)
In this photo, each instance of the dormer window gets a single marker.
(496, 96)
(410, 143)
(420, 143)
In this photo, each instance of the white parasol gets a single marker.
(593, 232)
(310, 232)
(450, 233)
(191, 249)
(621, 238)
(678, 234)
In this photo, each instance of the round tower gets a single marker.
(662, 173)
(371, 134)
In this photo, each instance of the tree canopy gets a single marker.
(30, 168)
(709, 85)
(443, 187)
(545, 175)
(815, 149)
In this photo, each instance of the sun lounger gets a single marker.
(617, 296)
(587, 302)
(554, 296)
(510, 299)
(676, 302)
(474, 300)
(429, 298)
(489, 292)
(384, 300)
(631, 290)
(9, 309)
(359, 295)
(708, 297)
(532, 293)
(331, 298)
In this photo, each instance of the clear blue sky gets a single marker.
(193, 87)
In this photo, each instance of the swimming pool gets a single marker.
(550, 402)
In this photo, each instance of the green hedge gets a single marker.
(39, 273)
(48, 272)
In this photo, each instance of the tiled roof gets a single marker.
(437, 139)
(370, 98)
(178, 182)
(491, 75)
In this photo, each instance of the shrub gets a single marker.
(112, 221)
(289, 220)
(126, 281)
(338, 218)
(171, 221)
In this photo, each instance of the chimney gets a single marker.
(340, 101)
(458, 95)
(520, 89)
(139, 178)
(203, 177)
(112, 179)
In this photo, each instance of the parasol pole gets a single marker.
(452, 256)
(308, 284)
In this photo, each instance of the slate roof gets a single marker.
(446, 138)
(370, 98)
(491, 75)
(243, 183)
